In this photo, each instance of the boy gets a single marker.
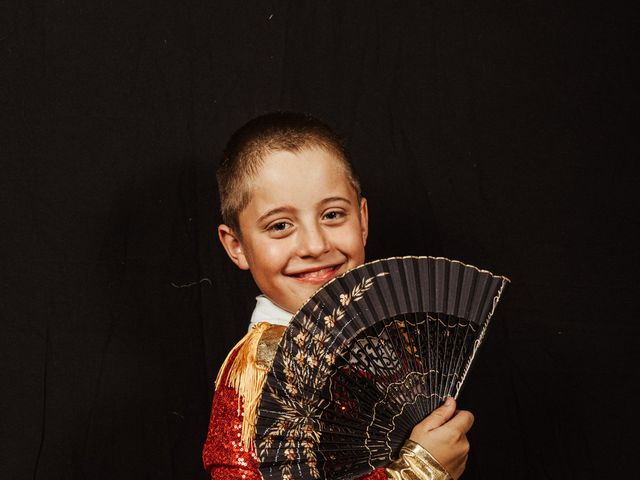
(294, 217)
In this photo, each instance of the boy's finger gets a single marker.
(440, 415)
(462, 421)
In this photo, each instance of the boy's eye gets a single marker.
(279, 227)
(333, 215)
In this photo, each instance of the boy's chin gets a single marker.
(302, 289)
(294, 303)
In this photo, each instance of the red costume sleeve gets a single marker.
(224, 456)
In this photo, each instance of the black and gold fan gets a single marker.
(366, 358)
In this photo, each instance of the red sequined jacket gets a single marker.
(224, 455)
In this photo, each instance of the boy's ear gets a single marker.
(364, 220)
(232, 245)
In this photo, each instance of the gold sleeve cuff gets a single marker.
(415, 463)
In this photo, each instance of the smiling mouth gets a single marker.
(320, 275)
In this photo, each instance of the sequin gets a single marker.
(224, 455)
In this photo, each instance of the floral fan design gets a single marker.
(366, 358)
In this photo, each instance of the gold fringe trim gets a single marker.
(246, 377)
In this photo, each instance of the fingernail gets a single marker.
(449, 401)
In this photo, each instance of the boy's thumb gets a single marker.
(440, 415)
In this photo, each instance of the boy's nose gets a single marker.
(312, 242)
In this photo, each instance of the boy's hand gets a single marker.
(443, 435)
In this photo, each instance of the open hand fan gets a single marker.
(366, 358)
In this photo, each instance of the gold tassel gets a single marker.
(247, 377)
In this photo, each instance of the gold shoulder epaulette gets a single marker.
(248, 372)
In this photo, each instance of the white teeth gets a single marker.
(317, 273)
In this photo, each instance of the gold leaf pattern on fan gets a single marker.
(309, 362)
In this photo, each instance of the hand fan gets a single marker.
(365, 359)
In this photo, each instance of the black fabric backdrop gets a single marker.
(500, 133)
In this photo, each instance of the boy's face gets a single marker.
(303, 226)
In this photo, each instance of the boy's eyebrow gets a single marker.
(287, 209)
(274, 211)
(333, 199)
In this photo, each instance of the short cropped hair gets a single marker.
(250, 144)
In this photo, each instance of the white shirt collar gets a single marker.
(267, 311)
